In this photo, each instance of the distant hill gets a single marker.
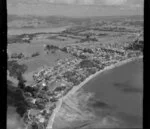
(29, 21)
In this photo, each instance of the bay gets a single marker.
(121, 90)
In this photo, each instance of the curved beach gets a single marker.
(74, 89)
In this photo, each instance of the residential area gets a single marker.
(60, 61)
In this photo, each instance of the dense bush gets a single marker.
(87, 50)
(88, 39)
(35, 54)
(16, 99)
(20, 38)
(51, 47)
(135, 46)
(91, 71)
(82, 56)
(69, 74)
(21, 81)
(97, 61)
(16, 69)
(17, 56)
(40, 103)
(34, 126)
(60, 88)
(14, 55)
(71, 77)
(107, 50)
(64, 49)
(88, 64)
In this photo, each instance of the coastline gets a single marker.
(18, 31)
(75, 88)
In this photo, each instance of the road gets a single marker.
(52, 117)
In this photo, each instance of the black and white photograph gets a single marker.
(75, 64)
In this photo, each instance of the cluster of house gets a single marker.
(99, 53)
(55, 82)
(48, 94)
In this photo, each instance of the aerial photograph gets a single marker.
(75, 64)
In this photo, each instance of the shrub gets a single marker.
(51, 47)
(18, 56)
(91, 71)
(71, 77)
(40, 103)
(82, 56)
(15, 98)
(88, 64)
(136, 45)
(60, 88)
(35, 54)
(14, 55)
(16, 69)
(87, 50)
(64, 49)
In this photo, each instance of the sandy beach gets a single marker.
(75, 88)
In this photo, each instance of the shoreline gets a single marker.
(75, 88)
(19, 31)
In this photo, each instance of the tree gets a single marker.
(53, 99)
(20, 56)
(14, 55)
(20, 103)
(27, 94)
(92, 71)
(35, 54)
(60, 88)
(87, 50)
(86, 63)
(82, 56)
(71, 77)
(17, 56)
(51, 47)
(21, 81)
(64, 49)
(87, 36)
(34, 125)
(40, 103)
(16, 69)
(69, 74)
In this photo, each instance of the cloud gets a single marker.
(88, 2)
(75, 7)
(84, 2)
(115, 2)
(80, 2)
(64, 1)
(92, 2)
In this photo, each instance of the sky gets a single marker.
(75, 8)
